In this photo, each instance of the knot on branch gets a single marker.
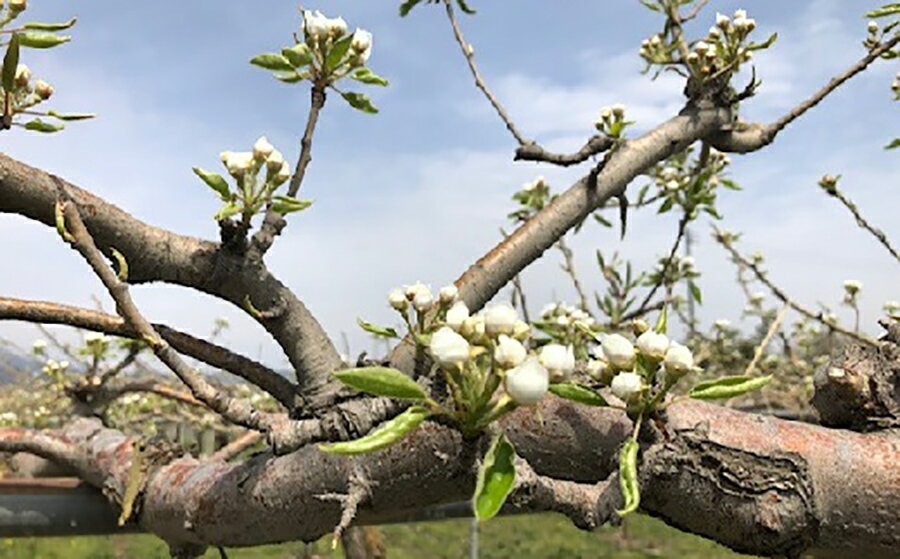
(860, 388)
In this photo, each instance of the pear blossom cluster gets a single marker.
(252, 193)
(892, 308)
(611, 121)
(532, 198)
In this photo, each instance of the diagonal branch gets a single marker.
(745, 138)
(222, 358)
(861, 221)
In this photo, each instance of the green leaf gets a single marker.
(360, 101)
(382, 331)
(40, 26)
(272, 61)
(666, 205)
(727, 387)
(388, 433)
(290, 77)
(298, 55)
(407, 6)
(39, 125)
(228, 210)
(214, 181)
(886, 10)
(765, 44)
(367, 76)
(695, 292)
(288, 204)
(337, 52)
(628, 477)
(894, 144)
(10, 61)
(71, 116)
(495, 479)
(578, 393)
(381, 381)
(662, 321)
(465, 7)
(42, 40)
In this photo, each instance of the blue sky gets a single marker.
(419, 191)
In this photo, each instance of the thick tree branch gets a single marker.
(743, 138)
(222, 358)
(154, 254)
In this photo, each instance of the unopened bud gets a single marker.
(43, 89)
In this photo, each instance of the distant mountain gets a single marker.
(13, 365)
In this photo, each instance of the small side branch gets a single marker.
(861, 221)
(745, 138)
(533, 152)
(217, 356)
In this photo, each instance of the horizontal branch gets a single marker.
(533, 152)
(745, 138)
(222, 358)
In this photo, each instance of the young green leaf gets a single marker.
(886, 10)
(407, 6)
(495, 479)
(765, 44)
(42, 39)
(695, 292)
(214, 181)
(290, 77)
(288, 204)
(71, 116)
(298, 55)
(10, 62)
(39, 125)
(337, 52)
(367, 76)
(388, 433)
(465, 7)
(578, 393)
(894, 144)
(382, 331)
(662, 321)
(628, 477)
(360, 101)
(727, 387)
(272, 61)
(381, 381)
(41, 26)
(228, 210)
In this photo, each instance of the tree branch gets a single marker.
(744, 138)
(255, 373)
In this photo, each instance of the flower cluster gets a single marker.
(252, 195)
(568, 326)
(725, 47)
(892, 308)
(532, 198)
(612, 121)
(852, 289)
(327, 53)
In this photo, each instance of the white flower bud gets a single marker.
(43, 89)
(23, 75)
(448, 348)
(397, 300)
(618, 110)
(558, 359)
(528, 383)
(262, 149)
(458, 313)
(274, 161)
(598, 369)
(500, 319)
(473, 327)
(39, 346)
(852, 287)
(17, 6)
(509, 352)
(237, 163)
(722, 21)
(337, 27)
(94, 338)
(701, 47)
(415, 289)
(606, 113)
(316, 24)
(679, 360)
(722, 324)
(873, 27)
(655, 40)
(626, 386)
(653, 345)
(619, 351)
(521, 330)
(714, 33)
(448, 294)
(740, 14)
(282, 175)
(362, 44)
(757, 298)
(423, 300)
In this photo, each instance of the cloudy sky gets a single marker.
(419, 191)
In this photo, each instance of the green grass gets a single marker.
(523, 537)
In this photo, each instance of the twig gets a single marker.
(682, 227)
(469, 53)
(861, 221)
(694, 11)
(274, 222)
(236, 447)
(781, 295)
(568, 267)
(766, 339)
(519, 292)
(533, 152)
(51, 313)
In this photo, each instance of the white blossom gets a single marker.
(852, 287)
(337, 27)
(237, 163)
(679, 360)
(456, 314)
(43, 89)
(740, 14)
(653, 345)
(22, 75)
(722, 21)
(509, 352)
(40, 345)
(500, 319)
(262, 149)
(94, 338)
(415, 289)
(423, 300)
(448, 348)
(722, 324)
(397, 300)
(597, 369)
(626, 385)
(521, 329)
(316, 24)
(362, 44)
(527, 383)
(448, 294)
(473, 327)
(873, 27)
(619, 351)
(558, 359)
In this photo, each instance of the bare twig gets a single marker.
(51, 313)
(533, 152)
(236, 447)
(568, 267)
(862, 222)
(745, 138)
(781, 295)
(682, 227)
(694, 11)
(773, 328)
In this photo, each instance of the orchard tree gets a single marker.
(591, 411)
